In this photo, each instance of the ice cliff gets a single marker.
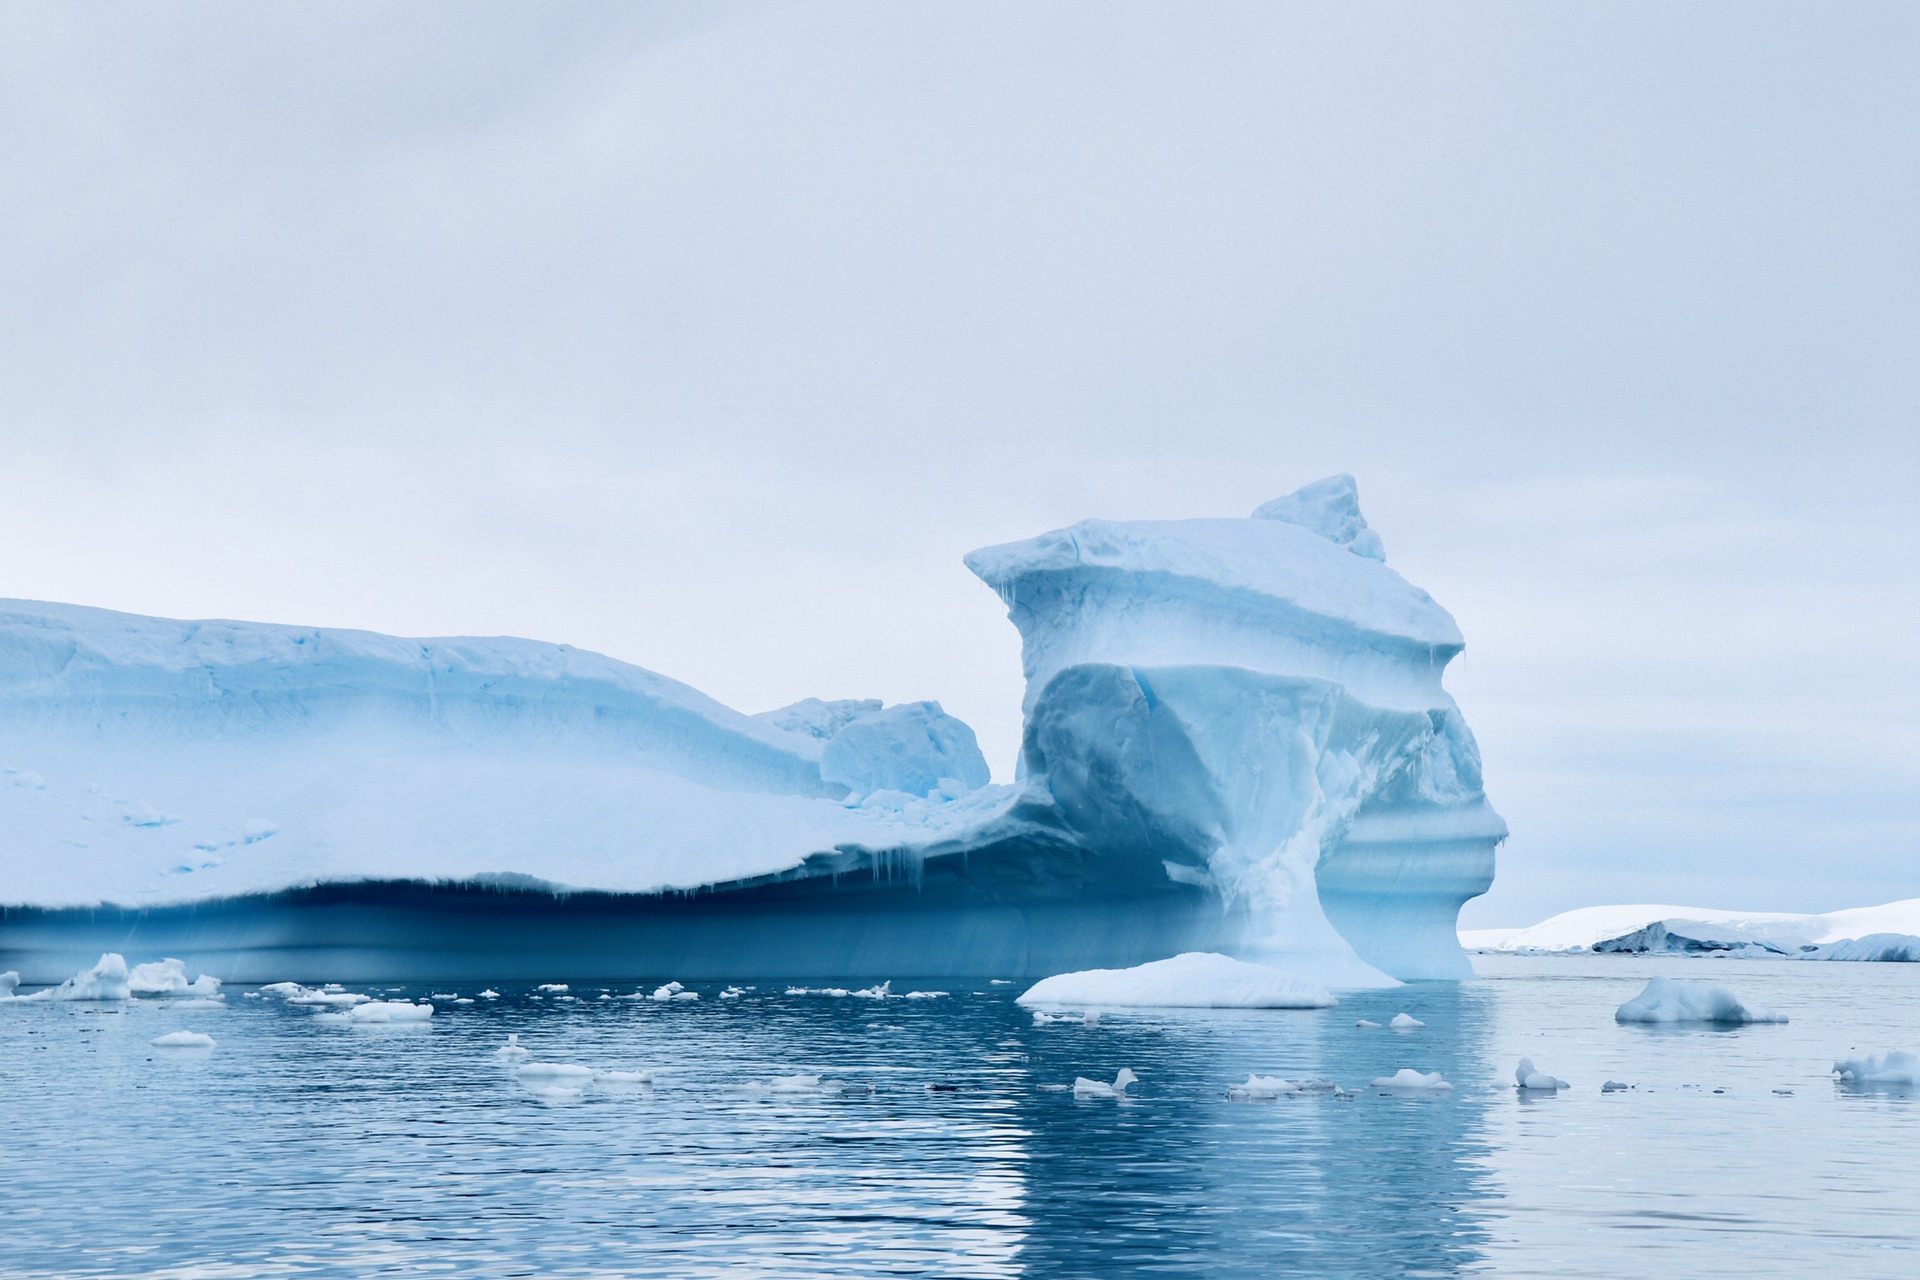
(1236, 738)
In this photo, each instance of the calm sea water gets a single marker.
(302, 1146)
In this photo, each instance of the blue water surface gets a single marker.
(303, 1145)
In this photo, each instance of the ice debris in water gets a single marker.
(733, 993)
(1406, 1022)
(1193, 980)
(1615, 1086)
(1091, 1018)
(1367, 1024)
(553, 1071)
(1085, 1088)
(513, 1050)
(169, 978)
(1407, 1080)
(551, 986)
(1672, 1000)
(8, 981)
(1526, 1078)
(674, 991)
(1896, 1066)
(107, 980)
(1259, 1088)
(390, 1011)
(182, 1040)
(489, 994)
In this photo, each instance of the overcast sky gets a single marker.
(711, 336)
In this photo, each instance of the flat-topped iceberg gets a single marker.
(1236, 740)
(1196, 980)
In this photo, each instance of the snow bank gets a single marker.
(1670, 1000)
(1896, 1067)
(1196, 980)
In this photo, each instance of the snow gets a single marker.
(1529, 1080)
(1237, 740)
(1675, 1000)
(182, 1040)
(1196, 980)
(1887, 932)
(1896, 1067)
(1407, 1080)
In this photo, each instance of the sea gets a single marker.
(788, 1131)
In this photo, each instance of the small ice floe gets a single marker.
(1405, 1022)
(513, 1050)
(1042, 1018)
(1615, 1086)
(623, 1077)
(463, 1000)
(570, 1074)
(795, 1085)
(182, 1040)
(1193, 980)
(1407, 1080)
(999, 982)
(1259, 1088)
(674, 991)
(1085, 1088)
(489, 994)
(107, 980)
(552, 987)
(444, 995)
(557, 1095)
(733, 993)
(927, 995)
(1529, 1080)
(390, 1011)
(8, 981)
(1367, 1024)
(168, 978)
(879, 991)
(198, 1002)
(1895, 1067)
(1675, 1000)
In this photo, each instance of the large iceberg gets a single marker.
(1236, 740)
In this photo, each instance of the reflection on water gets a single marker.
(303, 1146)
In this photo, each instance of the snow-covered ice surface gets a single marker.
(1236, 739)
(1196, 980)
(1887, 932)
(308, 1146)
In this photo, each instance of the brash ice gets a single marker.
(1236, 739)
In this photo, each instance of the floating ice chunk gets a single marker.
(1194, 980)
(1895, 1067)
(1405, 1022)
(445, 995)
(733, 993)
(169, 978)
(1670, 1000)
(489, 994)
(1041, 1018)
(8, 981)
(558, 1094)
(182, 1040)
(668, 992)
(391, 1011)
(513, 1050)
(200, 1002)
(1259, 1088)
(1526, 1078)
(1615, 1086)
(329, 999)
(879, 992)
(1367, 1024)
(107, 980)
(1085, 1088)
(926, 995)
(623, 1077)
(999, 982)
(1407, 1080)
(1886, 947)
(551, 986)
(561, 1071)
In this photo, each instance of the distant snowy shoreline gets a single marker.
(1890, 932)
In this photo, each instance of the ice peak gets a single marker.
(1330, 508)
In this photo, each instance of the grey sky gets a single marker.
(711, 336)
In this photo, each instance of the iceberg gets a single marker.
(1236, 740)
(1196, 980)
(1899, 1067)
(1670, 1000)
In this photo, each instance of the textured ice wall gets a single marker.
(1259, 704)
